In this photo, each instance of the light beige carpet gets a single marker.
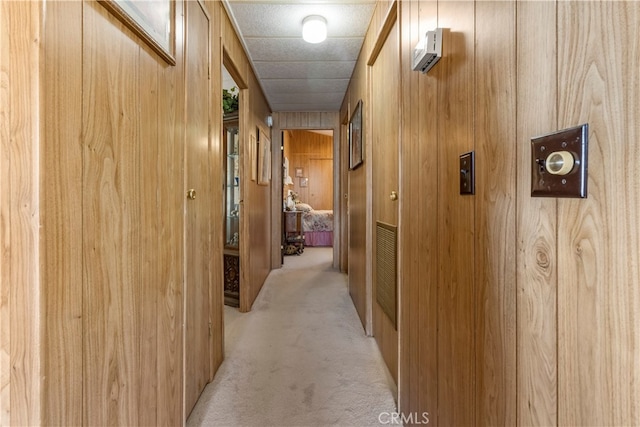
(299, 358)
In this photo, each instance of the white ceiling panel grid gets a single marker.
(309, 69)
(296, 75)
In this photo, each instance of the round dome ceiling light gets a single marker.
(314, 29)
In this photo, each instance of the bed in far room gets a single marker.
(317, 225)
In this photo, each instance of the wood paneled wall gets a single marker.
(359, 182)
(303, 147)
(598, 264)
(256, 222)
(537, 227)
(385, 86)
(360, 187)
(513, 309)
(20, 319)
(92, 217)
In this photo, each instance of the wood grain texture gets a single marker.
(456, 293)
(385, 119)
(259, 214)
(598, 238)
(342, 195)
(216, 155)
(359, 197)
(61, 219)
(321, 183)
(197, 211)
(426, 393)
(259, 225)
(573, 312)
(390, 18)
(90, 142)
(111, 218)
(21, 98)
(495, 212)
(170, 199)
(5, 216)
(232, 46)
(418, 377)
(150, 279)
(536, 261)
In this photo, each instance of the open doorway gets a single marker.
(307, 191)
(232, 159)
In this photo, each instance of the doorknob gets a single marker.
(191, 194)
(393, 196)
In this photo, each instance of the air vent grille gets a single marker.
(386, 266)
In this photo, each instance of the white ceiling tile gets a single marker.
(295, 98)
(285, 19)
(305, 86)
(305, 107)
(299, 50)
(295, 75)
(309, 69)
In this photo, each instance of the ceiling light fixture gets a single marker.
(314, 29)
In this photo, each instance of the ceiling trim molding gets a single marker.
(236, 28)
(389, 21)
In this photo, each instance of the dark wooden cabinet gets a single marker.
(293, 234)
(232, 211)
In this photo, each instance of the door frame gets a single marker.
(312, 121)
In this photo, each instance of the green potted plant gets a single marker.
(230, 100)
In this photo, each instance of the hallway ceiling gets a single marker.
(296, 75)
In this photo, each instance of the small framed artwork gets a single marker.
(264, 158)
(152, 21)
(254, 159)
(355, 137)
(304, 182)
(299, 172)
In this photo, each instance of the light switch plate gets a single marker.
(573, 184)
(467, 173)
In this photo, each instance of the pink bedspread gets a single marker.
(318, 238)
(318, 228)
(317, 221)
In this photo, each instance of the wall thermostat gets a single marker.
(428, 52)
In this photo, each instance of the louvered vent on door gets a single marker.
(386, 265)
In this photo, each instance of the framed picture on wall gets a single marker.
(304, 182)
(254, 160)
(264, 158)
(355, 137)
(299, 172)
(153, 21)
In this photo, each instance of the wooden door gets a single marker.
(385, 120)
(198, 207)
(321, 183)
